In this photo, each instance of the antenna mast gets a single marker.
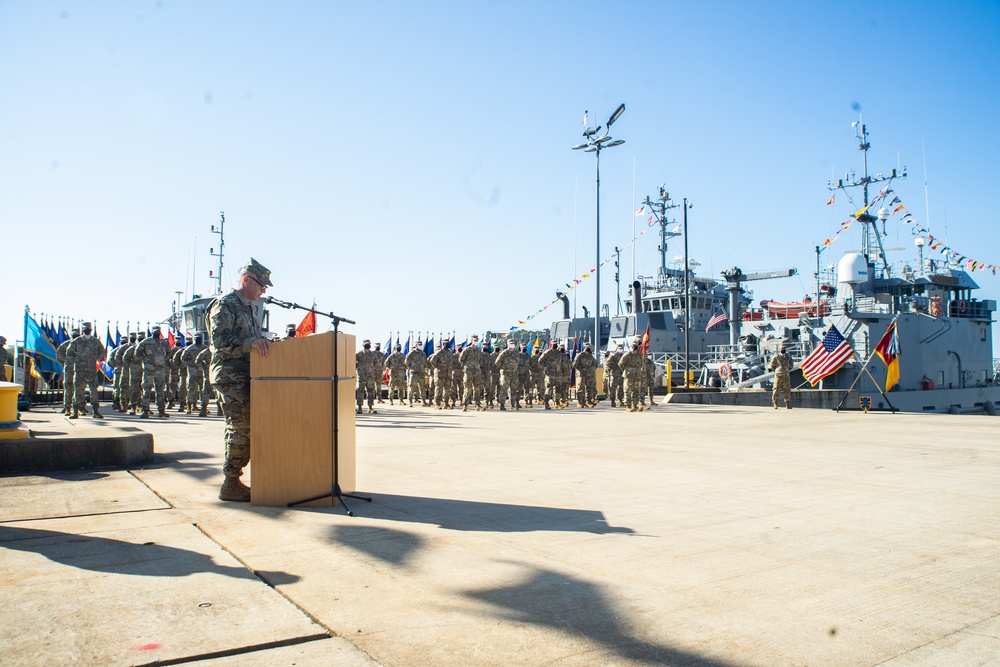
(659, 209)
(871, 237)
(222, 247)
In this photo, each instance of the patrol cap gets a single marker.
(398, 347)
(259, 271)
(86, 326)
(75, 332)
(419, 342)
(290, 327)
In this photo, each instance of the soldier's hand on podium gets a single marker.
(262, 345)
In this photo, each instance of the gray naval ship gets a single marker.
(945, 336)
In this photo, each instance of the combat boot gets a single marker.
(163, 414)
(371, 410)
(97, 413)
(181, 408)
(502, 408)
(390, 401)
(83, 410)
(203, 412)
(547, 405)
(465, 407)
(76, 413)
(145, 414)
(235, 490)
(170, 406)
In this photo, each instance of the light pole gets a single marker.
(595, 143)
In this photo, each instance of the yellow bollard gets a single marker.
(10, 427)
(669, 378)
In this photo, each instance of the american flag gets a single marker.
(827, 358)
(717, 318)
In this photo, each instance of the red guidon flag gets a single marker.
(644, 345)
(306, 326)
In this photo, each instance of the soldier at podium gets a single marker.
(233, 330)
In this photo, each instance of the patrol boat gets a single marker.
(944, 332)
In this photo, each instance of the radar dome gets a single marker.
(852, 269)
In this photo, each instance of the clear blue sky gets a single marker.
(408, 165)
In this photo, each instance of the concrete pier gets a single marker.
(684, 535)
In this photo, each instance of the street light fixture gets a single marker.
(594, 145)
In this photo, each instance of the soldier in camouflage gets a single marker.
(153, 353)
(115, 362)
(378, 370)
(233, 331)
(509, 363)
(781, 364)
(524, 375)
(134, 374)
(565, 369)
(442, 362)
(365, 366)
(634, 369)
(614, 377)
(457, 376)
(84, 353)
(178, 378)
(68, 392)
(125, 370)
(548, 362)
(206, 391)
(649, 384)
(396, 363)
(416, 366)
(586, 377)
(486, 368)
(194, 378)
(471, 359)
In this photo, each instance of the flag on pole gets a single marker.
(718, 317)
(644, 345)
(406, 348)
(306, 326)
(388, 348)
(639, 211)
(888, 350)
(171, 339)
(108, 341)
(827, 358)
(831, 199)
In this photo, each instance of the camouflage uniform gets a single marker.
(616, 381)
(781, 364)
(650, 382)
(84, 353)
(378, 370)
(524, 376)
(565, 368)
(471, 359)
(233, 329)
(204, 363)
(457, 377)
(586, 378)
(486, 368)
(124, 374)
(134, 374)
(114, 363)
(634, 369)
(442, 362)
(177, 387)
(68, 392)
(416, 365)
(396, 363)
(509, 363)
(194, 379)
(153, 353)
(366, 370)
(549, 363)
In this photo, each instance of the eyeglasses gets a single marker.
(263, 287)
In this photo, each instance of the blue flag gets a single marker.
(429, 346)
(109, 343)
(451, 342)
(406, 350)
(36, 343)
(118, 336)
(388, 347)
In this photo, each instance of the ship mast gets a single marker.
(659, 209)
(222, 246)
(871, 240)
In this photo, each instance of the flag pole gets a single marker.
(864, 367)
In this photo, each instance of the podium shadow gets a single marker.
(579, 608)
(470, 515)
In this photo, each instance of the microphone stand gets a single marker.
(336, 492)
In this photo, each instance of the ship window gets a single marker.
(940, 378)
(982, 334)
(628, 306)
(655, 303)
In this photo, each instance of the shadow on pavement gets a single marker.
(488, 517)
(579, 608)
(396, 547)
(100, 554)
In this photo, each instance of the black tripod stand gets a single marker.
(336, 492)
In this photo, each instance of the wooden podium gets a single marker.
(292, 420)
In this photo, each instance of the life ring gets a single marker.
(725, 372)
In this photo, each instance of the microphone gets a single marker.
(278, 302)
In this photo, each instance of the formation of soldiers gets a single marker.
(79, 356)
(148, 371)
(504, 378)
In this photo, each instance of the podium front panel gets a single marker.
(292, 420)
